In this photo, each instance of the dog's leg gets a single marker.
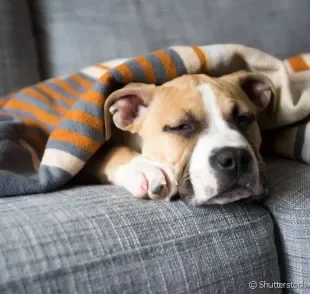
(143, 178)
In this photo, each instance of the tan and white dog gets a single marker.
(195, 136)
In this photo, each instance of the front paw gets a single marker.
(145, 178)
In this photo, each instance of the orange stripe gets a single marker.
(44, 88)
(93, 97)
(202, 59)
(147, 68)
(66, 87)
(103, 66)
(2, 102)
(168, 64)
(40, 114)
(35, 94)
(82, 82)
(28, 121)
(79, 140)
(298, 63)
(85, 118)
(126, 72)
(106, 78)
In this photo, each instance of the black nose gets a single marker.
(231, 160)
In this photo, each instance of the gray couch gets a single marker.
(99, 239)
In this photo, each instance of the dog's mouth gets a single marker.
(237, 193)
(233, 193)
(251, 186)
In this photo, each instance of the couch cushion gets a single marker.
(18, 58)
(76, 33)
(290, 207)
(99, 239)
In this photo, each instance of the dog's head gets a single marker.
(203, 127)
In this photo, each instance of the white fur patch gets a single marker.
(217, 135)
(141, 175)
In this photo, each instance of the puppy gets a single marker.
(195, 136)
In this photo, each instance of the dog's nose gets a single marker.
(235, 161)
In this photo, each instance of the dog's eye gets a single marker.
(182, 129)
(244, 120)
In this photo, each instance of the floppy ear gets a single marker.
(258, 87)
(127, 106)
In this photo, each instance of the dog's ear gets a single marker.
(127, 106)
(258, 87)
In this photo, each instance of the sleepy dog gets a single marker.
(195, 136)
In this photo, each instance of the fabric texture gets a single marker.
(100, 239)
(18, 58)
(73, 34)
(289, 205)
(56, 126)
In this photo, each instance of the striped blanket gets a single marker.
(49, 131)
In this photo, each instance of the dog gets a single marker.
(195, 136)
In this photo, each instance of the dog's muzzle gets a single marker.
(232, 166)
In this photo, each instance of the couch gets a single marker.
(99, 239)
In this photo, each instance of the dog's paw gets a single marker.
(145, 178)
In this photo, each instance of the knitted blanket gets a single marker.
(49, 131)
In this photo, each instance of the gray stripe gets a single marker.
(100, 87)
(77, 86)
(85, 77)
(6, 118)
(13, 129)
(53, 99)
(14, 184)
(16, 178)
(61, 91)
(117, 76)
(138, 73)
(70, 148)
(30, 116)
(160, 71)
(52, 177)
(89, 108)
(36, 103)
(49, 178)
(82, 129)
(181, 69)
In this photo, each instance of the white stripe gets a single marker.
(306, 58)
(288, 66)
(189, 58)
(114, 62)
(96, 72)
(218, 57)
(93, 72)
(61, 159)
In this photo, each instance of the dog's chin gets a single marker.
(232, 194)
(253, 190)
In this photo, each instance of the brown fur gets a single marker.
(168, 105)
